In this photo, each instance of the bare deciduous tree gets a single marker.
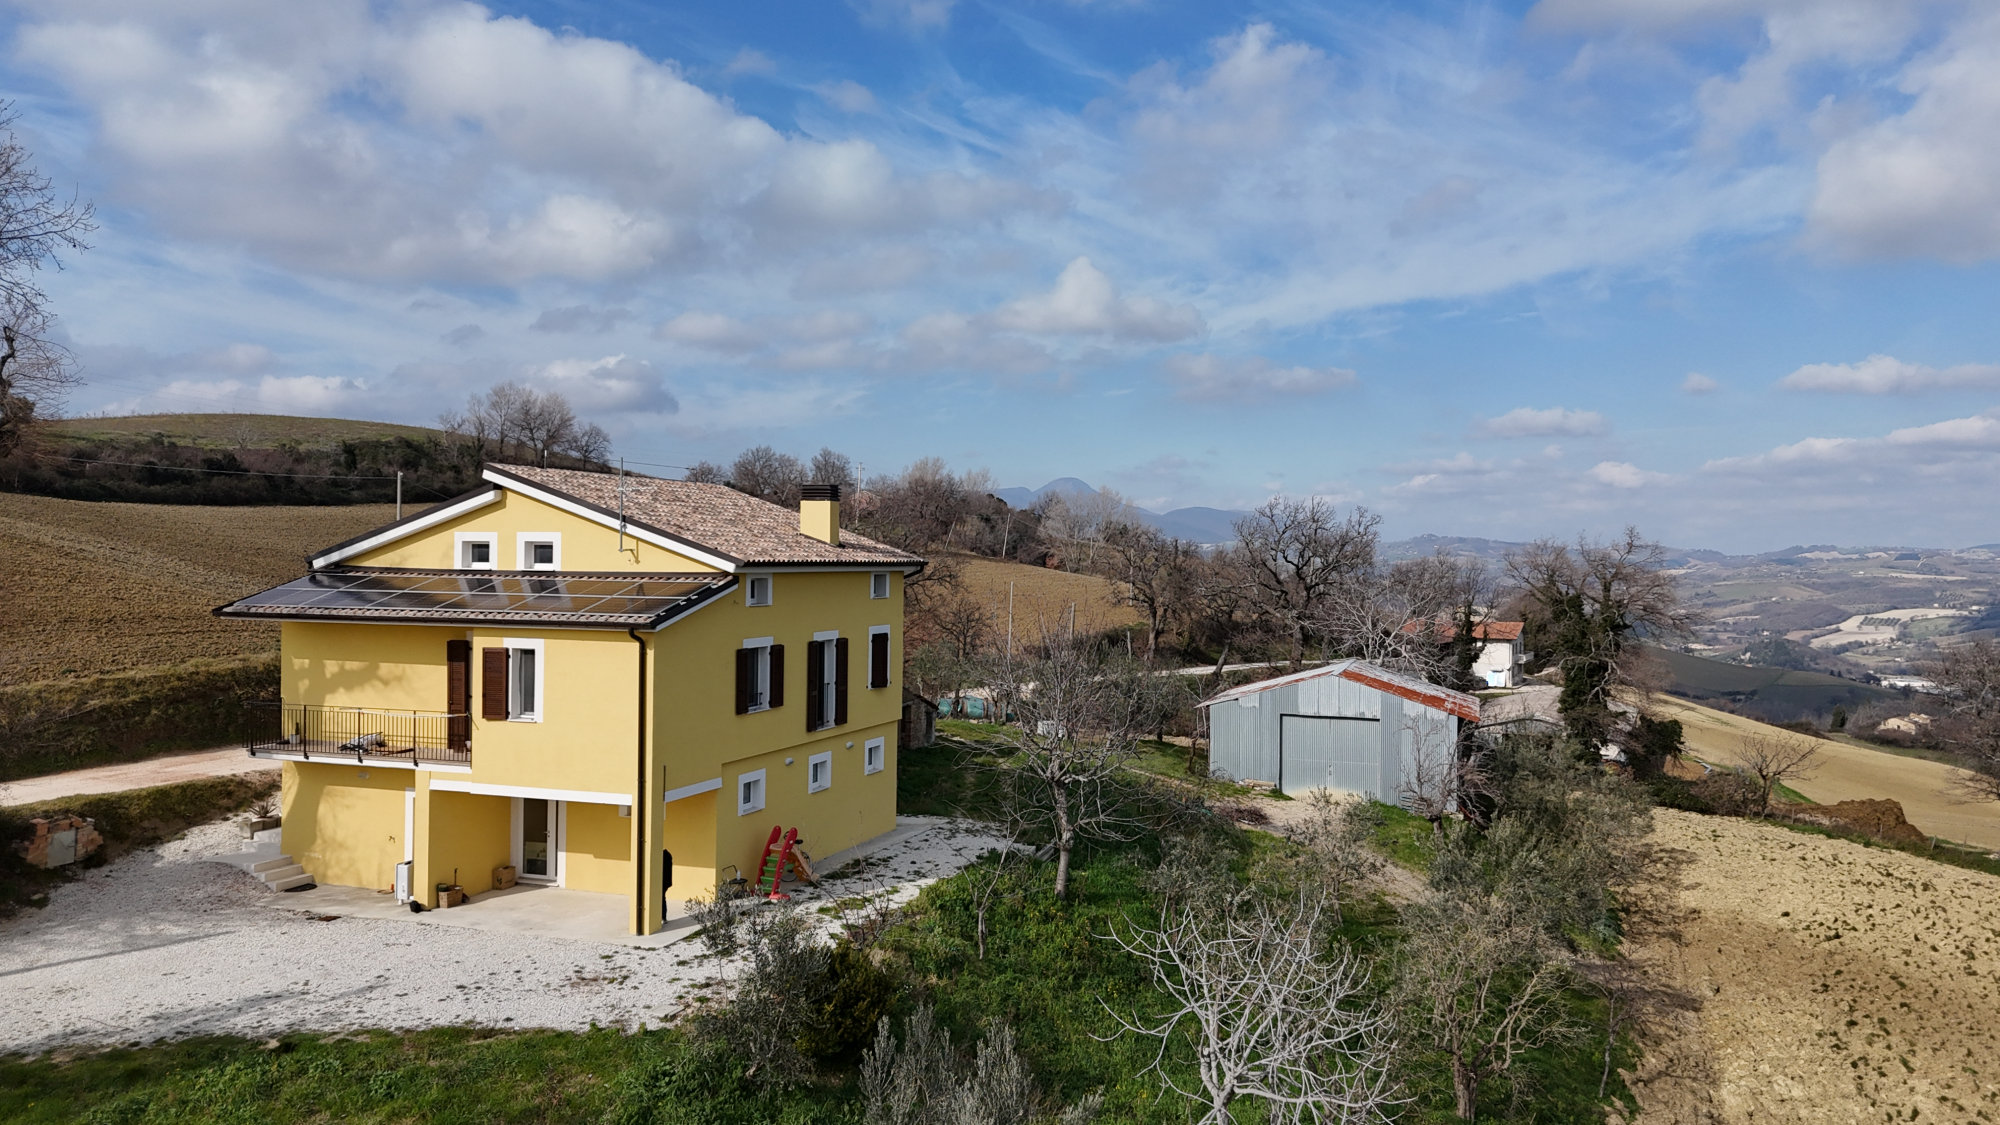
(767, 474)
(1970, 675)
(1077, 524)
(1770, 760)
(515, 421)
(1153, 571)
(36, 227)
(1409, 616)
(1292, 557)
(1479, 981)
(1588, 604)
(1079, 712)
(1271, 1015)
(707, 472)
(1443, 775)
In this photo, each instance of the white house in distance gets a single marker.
(1347, 726)
(1500, 657)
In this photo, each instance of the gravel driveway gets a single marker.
(166, 943)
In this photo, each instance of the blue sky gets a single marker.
(1725, 269)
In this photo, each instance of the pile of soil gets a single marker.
(1880, 819)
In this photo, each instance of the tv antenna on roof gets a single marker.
(624, 488)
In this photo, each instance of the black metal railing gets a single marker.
(357, 734)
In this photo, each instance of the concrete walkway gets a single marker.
(133, 775)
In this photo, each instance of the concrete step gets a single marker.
(267, 864)
(277, 873)
(290, 881)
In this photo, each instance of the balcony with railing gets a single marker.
(362, 735)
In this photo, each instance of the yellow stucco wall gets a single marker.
(857, 807)
(597, 849)
(587, 737)
(343, 824)
(586, 544)
(336, 664)
(471, 834)
(687, 829)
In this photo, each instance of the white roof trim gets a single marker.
(695, 790)
(424, 522)
(557, 500)
(485, 789)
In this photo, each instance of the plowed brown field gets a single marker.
(90, 588)
(1815, 980)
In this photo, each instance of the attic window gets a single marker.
(757, 590)
(539, 550)
(477, 550)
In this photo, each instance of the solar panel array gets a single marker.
(514, 596)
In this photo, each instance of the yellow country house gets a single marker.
(563, 670)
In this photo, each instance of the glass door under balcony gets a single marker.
(538, 847)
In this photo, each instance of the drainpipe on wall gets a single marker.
(639, 847)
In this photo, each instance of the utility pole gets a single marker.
(399, 494)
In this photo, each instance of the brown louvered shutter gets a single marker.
(746, 680)
(878, 660)
(815, 684)
(458, 693)
(493, 683)
(840, 681)
(777, 676)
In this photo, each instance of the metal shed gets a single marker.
(1348, 726)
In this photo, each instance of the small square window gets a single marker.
(878, 585)
(541, 554)
(874, 756)
(819, 772)
(475, 554)
(750, 793)
(757, 590)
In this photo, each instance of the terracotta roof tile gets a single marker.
(711, 516)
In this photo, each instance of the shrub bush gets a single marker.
(857, 993)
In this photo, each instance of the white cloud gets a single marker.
(848, 96)
(1924, 182)
(1899, 450)
(1527, 422)
(749, 60)
(1250, 378)
(1884, 374)
(1624, 474)
(1698, 384)
(612, 383)
(713, 331)
(1084, 302)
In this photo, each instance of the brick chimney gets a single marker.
(819, 512)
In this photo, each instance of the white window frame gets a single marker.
(743, 807)
(763, 672)
(523, 540)
(884, 631)
(874, 755)
(460, 538)
(514, 713)
(814, 764)
(750, 589)
(880, 579)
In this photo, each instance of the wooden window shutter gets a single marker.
(815, 684)
(878, 660)
(493, 683)
(746, 679)
(458, 693)
(840, 681)
(777, 676)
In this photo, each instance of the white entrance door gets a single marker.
(538, 839)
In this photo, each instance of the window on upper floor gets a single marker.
(826, 681)
(878, 585)
(819, 772)
(757, 590)
(878, 656)
(538, 550)
(477, 550)
(760, 676)
(513, 682)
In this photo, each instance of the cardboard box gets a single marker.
(504, 876)
(450, 896)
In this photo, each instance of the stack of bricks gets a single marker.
(60, 840)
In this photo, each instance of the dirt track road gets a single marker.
(133, 775)
(1849, 773)
(1817, 981)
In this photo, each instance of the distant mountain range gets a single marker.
(1202, 525)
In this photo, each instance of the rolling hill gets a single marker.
(235, 431)
(1772, 694)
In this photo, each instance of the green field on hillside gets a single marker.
(235, 431)
(1776, 694)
